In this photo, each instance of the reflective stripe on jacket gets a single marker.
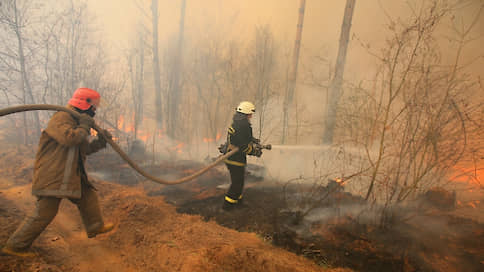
(240, 135)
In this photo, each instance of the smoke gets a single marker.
(232, 20)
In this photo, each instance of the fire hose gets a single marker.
(22, 108)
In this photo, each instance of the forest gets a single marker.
(374, 111)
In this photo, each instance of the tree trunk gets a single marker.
(28, 96)
(175, 88)
(136, 68)
(140, 82)
(293, 74)
(335, 87)
(156, 64)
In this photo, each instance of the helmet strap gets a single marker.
(89, 111)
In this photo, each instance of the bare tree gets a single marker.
(335, 88)
(136, 61)
(15, 17)
(293, 72)
(263, 65)
(156, 63)
(174, 88)
(413, 121)
(207, 81)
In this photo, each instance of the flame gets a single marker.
(178, 147)
(210, 140)
(146, 135)
(120, 122)
(143, 136)
(473, 204)
(124, 126)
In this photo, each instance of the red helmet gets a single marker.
(83, 98)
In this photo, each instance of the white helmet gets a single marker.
(246, 107)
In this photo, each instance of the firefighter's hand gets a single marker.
(223, 148)
(257, 152)
(86, 122)
(102, 139)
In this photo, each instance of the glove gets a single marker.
(86, 122)
(223, 148)
(257, 152)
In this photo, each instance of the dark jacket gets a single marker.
(239, 135)
(59, 163)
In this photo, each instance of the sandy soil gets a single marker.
(149, 236)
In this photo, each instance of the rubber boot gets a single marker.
(17, 253)
(106, 228)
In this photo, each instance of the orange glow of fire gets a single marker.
(178, 147)
(470, 175)
(143, 137)
(146, 135)
(210, 140)
(120, 122)
(124, 126)
(474, 204)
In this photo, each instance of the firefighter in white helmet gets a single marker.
(239, 135)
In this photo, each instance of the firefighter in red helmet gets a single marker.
(59, 173)
(85, 100)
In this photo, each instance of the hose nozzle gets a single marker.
(267, 146)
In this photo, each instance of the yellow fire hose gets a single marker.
(22, 108)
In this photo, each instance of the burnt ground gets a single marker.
(342, 240)
(415, 240)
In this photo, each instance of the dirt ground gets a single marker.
(150, 235)
(182, 227)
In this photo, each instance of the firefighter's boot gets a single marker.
(105, 228)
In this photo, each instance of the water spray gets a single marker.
(300, 147)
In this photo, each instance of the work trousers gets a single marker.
(237, 176)
(46, 209)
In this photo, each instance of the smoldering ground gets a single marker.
(331, 226)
